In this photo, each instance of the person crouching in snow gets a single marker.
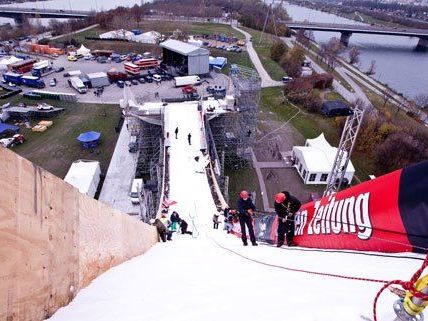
(245, 212)
(164, 233)
(183, 226)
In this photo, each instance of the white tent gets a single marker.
(83, 51)
(195, 42)
(148, 37)
(85, 176)
(5, 62)
(315, 160)
(118, 34)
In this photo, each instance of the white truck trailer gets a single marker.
(186, 80)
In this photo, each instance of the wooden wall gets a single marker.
(54, 240)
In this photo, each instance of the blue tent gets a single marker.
(6, 127)
(89, 139)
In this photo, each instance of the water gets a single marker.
(398, 64)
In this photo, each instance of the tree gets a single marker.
(422, 101)
(331, 50)
(354, 55)
(302, 39)
(292, 62)
(398, 150)
(277, 50)
(372, 68)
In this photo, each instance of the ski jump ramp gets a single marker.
(211, 276)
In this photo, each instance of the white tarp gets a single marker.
(148, 37)
(85, 176)
(117, 34)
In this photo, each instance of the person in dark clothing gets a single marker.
(183, 226)
(164, 233)
(245, 209)
(286, 207)
(176, 132)
(175, 219)
(189, 138)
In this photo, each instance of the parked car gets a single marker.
(148, 79)
(12, 141)
(128, 83)
(286, 79)
(52, 82)
(142, 80)
(134, 82)
(157, 78)
(44, 106)
(188, 89)
(71, 58)
(102, 59)
(120, 84)
(87, 57)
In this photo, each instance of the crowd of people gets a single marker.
(286, 206)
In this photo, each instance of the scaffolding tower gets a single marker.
(344, 150)
(234, 133)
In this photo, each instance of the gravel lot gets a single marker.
(113, 93)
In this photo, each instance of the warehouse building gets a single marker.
(185, 58)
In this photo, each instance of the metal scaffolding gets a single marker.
(234, 133)
(344, 150)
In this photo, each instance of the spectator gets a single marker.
(175, 219)
(164, 233)
(215, 220)
(245, 212)
(176, 132)
(286, 207)
(165, 221)
(228, 219)
(183, 226)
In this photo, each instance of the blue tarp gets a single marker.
(217, 61)
(6, 127)
(89, 139)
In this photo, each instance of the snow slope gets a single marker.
(197, 279)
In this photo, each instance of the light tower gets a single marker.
(345, 148)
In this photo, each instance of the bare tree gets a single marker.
(331, 50)
(372, 68)
(354, 55)
(422, 101)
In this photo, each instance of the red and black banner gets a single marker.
(387, 214)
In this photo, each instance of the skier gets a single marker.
(176, 132)
(245, 210)
(183, 226)
(286, 206)
(175, 219)
(189, 138)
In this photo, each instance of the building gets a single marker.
(85, 176)
(186, 58)
(314, 161)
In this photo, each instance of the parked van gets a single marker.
(77, 83)
(137, 186)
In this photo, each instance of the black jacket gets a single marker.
(175, 217)
(290, 206)
(244, 205)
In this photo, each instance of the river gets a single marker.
(397, 63)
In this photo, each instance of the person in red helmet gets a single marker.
(245, 210)
(286, 206)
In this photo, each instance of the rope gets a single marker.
(298, 270)
(408, 286)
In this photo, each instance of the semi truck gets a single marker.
(18, 79)
(77, 84)
(41, 68)
(187, 80)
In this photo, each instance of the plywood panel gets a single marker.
(54, 240)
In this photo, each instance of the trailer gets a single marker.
(187, 80)
(23, 66)
(42, 68)
(32, 81)
(72, 73)
(147, 63)
(98, 79)
(132, 69)
(13, 78)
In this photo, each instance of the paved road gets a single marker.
(118, 181)
(267, 81)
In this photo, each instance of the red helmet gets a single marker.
(243, 194)
(280, 197)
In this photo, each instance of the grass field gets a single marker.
(263, 51)
(310, 125)
(240, 179)
(56, 148)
